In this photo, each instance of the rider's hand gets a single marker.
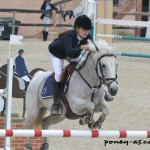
(84, 47)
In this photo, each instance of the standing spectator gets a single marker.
(115, 2)
(21, 69)
(46, 6)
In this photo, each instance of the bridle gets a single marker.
(102, 78)
(99, 64)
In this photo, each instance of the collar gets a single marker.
(79, 38)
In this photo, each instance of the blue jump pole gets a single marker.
(134, 38)
(133, 55)
(124, 37)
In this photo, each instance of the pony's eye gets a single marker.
(103, 66)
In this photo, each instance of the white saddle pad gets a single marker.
(21, 83)
(1, 103)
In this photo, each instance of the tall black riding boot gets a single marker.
(26, 86)
(56, 107)
(44, 36)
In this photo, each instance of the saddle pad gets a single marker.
(21, 83)
(1, 103)
(47, 90)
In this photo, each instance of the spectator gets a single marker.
(21, 69)
(115, 2)
(46, 6)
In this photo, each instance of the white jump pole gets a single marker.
(124, 22)
(95, 23)
(7, 144)
(9, 100)
(75, 133)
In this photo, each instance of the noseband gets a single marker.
(99, 64)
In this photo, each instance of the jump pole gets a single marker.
(124, 22)
(9, 100)
(14, 40)
(94, 23)
(75, 133)
(124, 37)
(132, 55)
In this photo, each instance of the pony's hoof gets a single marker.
(91, 126)
(94, 126)
(81, 122)
(28, 146)
(44, 146)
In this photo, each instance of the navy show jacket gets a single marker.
(20, 69)
(67, 45)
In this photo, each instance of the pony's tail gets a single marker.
(38, 122)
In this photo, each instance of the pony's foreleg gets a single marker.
(46, 122)
(24, 107)
(105, 112)
(28, 145)
(30, 117)
(88, 107)
(4, 108)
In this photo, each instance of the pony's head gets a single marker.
(106, 64)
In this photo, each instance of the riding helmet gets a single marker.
(20, 51)
(83, 22)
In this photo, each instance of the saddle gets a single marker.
(64, 86)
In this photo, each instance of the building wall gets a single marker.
(138, 18)
(33, 18)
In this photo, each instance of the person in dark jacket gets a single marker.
(115, 2)
(21, 69)
(46, 6)
(69, 45)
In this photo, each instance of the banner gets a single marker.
(16, 40)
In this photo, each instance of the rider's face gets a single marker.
(22, 54)
(82, 32)
(48, 1)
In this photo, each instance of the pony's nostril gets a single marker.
(114, 91)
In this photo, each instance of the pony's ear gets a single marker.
(103, 45)
(91, 46)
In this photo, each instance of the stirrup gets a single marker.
(24, 93)
(56, 109)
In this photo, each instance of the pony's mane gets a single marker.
(37, 73)
(102, 46)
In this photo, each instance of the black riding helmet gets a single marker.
(83, 22)
(20, 51)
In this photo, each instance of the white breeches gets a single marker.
(46, 20)
(26, 78)
(58, 65)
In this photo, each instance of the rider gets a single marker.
(69, 44)
(21, 69)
